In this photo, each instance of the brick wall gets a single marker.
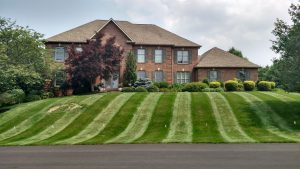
(226, 73)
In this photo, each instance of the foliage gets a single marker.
(287, 45)
(143, 83)
(214, 84)
(127, 89)
(265, 85)
(97, 59)
(140, 89)
(130, 70)
(11, 97)
(271, 73)
(249, 85)
(231, 85)
(194, 87)
(176, 87)
(162, 84)
(236, 52)
(205, 80)
(153, 88)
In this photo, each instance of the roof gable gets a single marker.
(144, 34)
(217, 57)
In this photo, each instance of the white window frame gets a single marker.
(183, 77)
(141, 53)
(58, 54)
(156, 75)
(157, 54)
(210, 73)
(62, 78)
(138, 74)
(183, 57)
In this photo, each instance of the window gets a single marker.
(243, 75)
(78, 49)
(182, 57)
(158, 76)
(183, 77)
(59, 78)
(158, 56)
(141, 74)
(59, 54)
(141, 55)
(213, 75)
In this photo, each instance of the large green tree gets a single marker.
(130, 70)
(287, 44)
(236, 52)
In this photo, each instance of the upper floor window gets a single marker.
(158, 76)
(182, 57)
(158, 56)
(213, 75)
(141, 74)
(141, 56)
(59, 54)
(183, 77)
(243, 75)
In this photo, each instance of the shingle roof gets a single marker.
(216, 57)
(146, 34)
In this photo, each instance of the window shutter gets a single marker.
(163, 55)
(175, 56)
(190, 56)
(153, 75)
(135, 54)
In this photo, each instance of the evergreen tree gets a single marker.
(236, 52)
(130, 70)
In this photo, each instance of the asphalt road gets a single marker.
(150, 156)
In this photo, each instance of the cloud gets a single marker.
(244, 24)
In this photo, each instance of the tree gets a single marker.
(287, 45)
(130, 70)
(95, 60)
(236, 52)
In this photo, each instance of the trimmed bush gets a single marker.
(231, 85)
(205, 80)
(194, 87)
(177, 87)
(32, 97)
(220, 89)
(153, 88)
(11, 97)
(249, 85)
(273, 84)
(127, 89)
(214, 84)
(162, 84)
(240, 86)
(143, 83)
(140, 89)
(265, 86)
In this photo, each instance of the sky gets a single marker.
(243, 24)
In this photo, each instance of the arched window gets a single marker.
(243, 75)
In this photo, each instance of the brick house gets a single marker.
(161, 55)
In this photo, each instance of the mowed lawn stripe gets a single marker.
(205, 129)
(281, 97)
(23, 109)
(272, 122)
(249, 120)
(30, 121)
(61, 123)
(226, 120)
(119, 121)
(160, 122)
(181, 124)
(100, 121)
(16, 116)
(139, 122)
(82, 120)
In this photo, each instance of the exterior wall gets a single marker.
(226, 73)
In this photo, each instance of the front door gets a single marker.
(112, 82)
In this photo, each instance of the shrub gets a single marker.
(264, 86)
(127, 89)
(143, 83)
(176, 87)
(46, 95)
(214, 84)
(240, 86)
(162, 84)
(140, 89)
(249, 85)
(205, 80)
(273, 84)
(12, 97)
(231, 85)
(219, 89)
(194, 87)
(32, 97)
(206, 90)
(165, 90)
(153, 88)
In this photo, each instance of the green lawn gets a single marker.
(230, 117)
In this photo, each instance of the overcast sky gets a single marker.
(244, 24)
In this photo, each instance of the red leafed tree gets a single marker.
(97, 59)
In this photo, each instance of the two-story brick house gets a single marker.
(161, 55)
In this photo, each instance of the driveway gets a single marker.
(153, 156)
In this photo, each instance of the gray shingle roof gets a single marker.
(146, 34)
(216, 57)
